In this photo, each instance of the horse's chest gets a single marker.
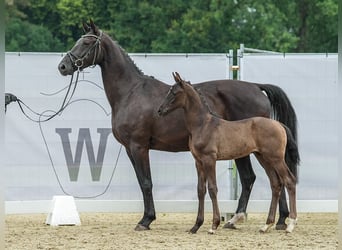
(200, 145)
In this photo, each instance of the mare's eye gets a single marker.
(86, 42)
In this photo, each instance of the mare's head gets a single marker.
(176, 96)
(86, 51)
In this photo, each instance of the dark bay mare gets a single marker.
(212, 138)
(135, 98)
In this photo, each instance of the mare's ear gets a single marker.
(86, 27)
(94, 27)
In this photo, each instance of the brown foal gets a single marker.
(212, 139)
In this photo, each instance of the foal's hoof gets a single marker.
(265, 228)
(211, 231)
(291, 226)
(229, 225)
(141, 228)
(281, 226)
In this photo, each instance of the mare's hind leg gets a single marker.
(247, 179)
(283, 211)
(201, 191)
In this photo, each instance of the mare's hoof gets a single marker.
(211, 231)
(229, 226)
(193, 230)
(281, 226)
(141, 228)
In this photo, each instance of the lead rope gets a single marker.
(65, 103)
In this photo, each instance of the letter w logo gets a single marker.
(84, 138)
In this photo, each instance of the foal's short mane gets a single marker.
(204, 100)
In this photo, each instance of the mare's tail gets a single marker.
(282, 108)
(284, 112)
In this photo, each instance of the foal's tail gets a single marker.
(292, 157)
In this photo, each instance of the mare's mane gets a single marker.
(128, 58)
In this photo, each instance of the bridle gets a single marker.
(78, 62)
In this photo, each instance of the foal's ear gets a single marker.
(86, 27)
(178, 79)
(94, 27)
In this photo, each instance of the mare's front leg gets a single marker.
(201, 191)
(140, 160)
(247, 179)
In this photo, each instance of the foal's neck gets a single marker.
(196, 112)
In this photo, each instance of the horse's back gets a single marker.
(235, 100)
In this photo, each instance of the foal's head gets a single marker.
(175, 98)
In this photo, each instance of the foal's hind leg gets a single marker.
(290, 183)
(276, 189)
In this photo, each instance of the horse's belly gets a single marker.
(170, 146)
(230, 155)
(234, 150)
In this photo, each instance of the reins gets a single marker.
(65, 103)
(78, 62)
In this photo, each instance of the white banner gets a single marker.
(84, 153)
(75, 152)
(310, 81)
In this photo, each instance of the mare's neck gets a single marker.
(119, 73)
(195, 111)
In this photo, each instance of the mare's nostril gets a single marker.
(62, 66)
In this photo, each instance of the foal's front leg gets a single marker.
(201, 191)
(212, 188)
